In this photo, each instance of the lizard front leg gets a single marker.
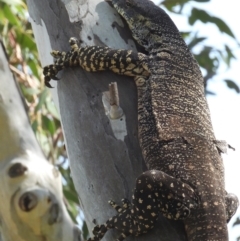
(155, 192)
(96, 58)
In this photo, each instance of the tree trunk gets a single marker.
(31, 206)
(104, 153)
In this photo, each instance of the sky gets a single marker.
(224, 106)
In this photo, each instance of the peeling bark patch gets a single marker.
(77, 10)
(28, 201)
(16, 170)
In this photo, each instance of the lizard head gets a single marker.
(145, 20)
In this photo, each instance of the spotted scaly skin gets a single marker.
(185, 179)
(96, 58)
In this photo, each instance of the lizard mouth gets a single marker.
(138, 23)
(129, 13)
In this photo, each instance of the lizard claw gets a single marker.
(47, 83)
(54, 78)
(47, 79)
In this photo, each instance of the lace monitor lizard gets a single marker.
(185, 177)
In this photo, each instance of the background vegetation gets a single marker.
(18, 39)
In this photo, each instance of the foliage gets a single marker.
(208, 57)
(23, 57)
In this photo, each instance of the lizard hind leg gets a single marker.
(231, 203)
(157, 192)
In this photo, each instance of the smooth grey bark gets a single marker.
(103, 165)
(31, 206)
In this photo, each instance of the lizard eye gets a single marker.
(129, 3)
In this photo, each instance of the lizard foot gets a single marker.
(50, 72)
(155, 192)
(61, 60)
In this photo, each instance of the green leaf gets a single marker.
(85, 231)
(29, 91)
(237, 222)
(223, 27)
(33, 66)
(195, 41)
(35, 126)
(70, 195)
(205, 59)
(52, 109)
(207, 92)
(14, 2)
(21, 10)
(2, 16)
(42, 99)
(229, 56)
(11, 16)
(185, 34)
(48, 124)
(198, 14)
(72, 211)
(203, 16)
(25, 39)
(44, 142)
(232, 85)
(170, 4)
